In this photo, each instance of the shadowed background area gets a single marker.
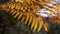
(8, 25)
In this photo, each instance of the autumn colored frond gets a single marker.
(28, 12)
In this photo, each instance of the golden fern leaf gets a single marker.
(26, 11)
(50, 5)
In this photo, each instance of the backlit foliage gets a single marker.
(27, 11)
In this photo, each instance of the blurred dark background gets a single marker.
(8, 25)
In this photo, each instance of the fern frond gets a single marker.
(25, 11)
(28, 18)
